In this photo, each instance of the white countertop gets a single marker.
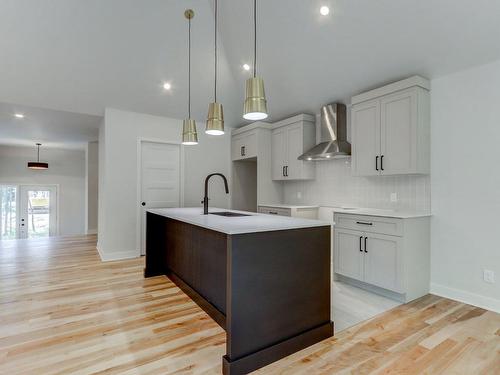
(400, 214)
(236, 225)
(286, 206)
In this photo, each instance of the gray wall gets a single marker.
(66, 168)
(92, 189)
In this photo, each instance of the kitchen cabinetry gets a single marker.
(305, 212)
(391, 129)
(290, 139)
(244, 145)
(383, 252)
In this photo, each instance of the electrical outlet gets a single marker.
(394, 197)
(489, 276)
(299, 195)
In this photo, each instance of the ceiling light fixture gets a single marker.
(246, 67)
(167, 86)
(19, 115)
(324, 10)
(189, 133)
(38, 164)
(215, 118)
(255, 107)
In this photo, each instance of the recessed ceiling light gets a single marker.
(246, 66)
(167, 86)
(324, 10)
(19, 115)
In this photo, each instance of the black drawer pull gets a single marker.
(382, 163)
(273, 213)
(376, 163)
(360, 241)
(363, 223)
(366, 238)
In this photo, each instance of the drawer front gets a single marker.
(274, 211)
(372, 224)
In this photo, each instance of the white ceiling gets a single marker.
(51, 128)
(84, 55)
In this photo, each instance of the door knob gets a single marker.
(143, 203)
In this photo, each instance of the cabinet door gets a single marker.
(295, 148)
(249, 144)
(244, 146)
(365, 138)
(278, 153)
(236, 144)
(383, 261)
(399, 132)
(348, 259)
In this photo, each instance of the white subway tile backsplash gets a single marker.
(335, 186)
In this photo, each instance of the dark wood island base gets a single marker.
(270, 291)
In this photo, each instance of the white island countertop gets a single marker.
(253, 223)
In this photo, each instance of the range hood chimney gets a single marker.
(333, 137)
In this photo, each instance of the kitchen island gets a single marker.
(264, 279)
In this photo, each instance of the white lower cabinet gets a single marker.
(377, 255)
(382, 258)
(349, 258)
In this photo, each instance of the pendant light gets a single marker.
(189, 133)
(255, 107)
(215, 119)
(38, 164)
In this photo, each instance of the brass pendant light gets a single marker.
(189, 133)
(255, 107)
(38, 164)
(215, 118)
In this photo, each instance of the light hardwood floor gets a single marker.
(63, 311)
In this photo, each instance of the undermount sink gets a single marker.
(227, 214)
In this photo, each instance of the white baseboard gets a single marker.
(91, 231)
(478, 300)
(109, 256)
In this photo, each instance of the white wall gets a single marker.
(466, 184)
(91, 186)
(211, 155)
(66, 168)
(118, 201)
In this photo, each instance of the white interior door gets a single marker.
(38, 211)
(160, 179)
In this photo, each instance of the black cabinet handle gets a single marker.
(286, 170)
(376, 163)
(143, 203)
(366, 238)
(363, 223)
(273, 213)
(360, 241)
(382, 162)
(283, 171)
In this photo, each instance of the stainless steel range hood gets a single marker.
(333, 137)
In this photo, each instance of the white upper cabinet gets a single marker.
(366, 138)
(244, 145)
(290, 139)
(391, 129)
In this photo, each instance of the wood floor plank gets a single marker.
(63, 311)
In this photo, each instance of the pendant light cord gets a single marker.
(254, 38)
(189, 68)
(215, 53)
